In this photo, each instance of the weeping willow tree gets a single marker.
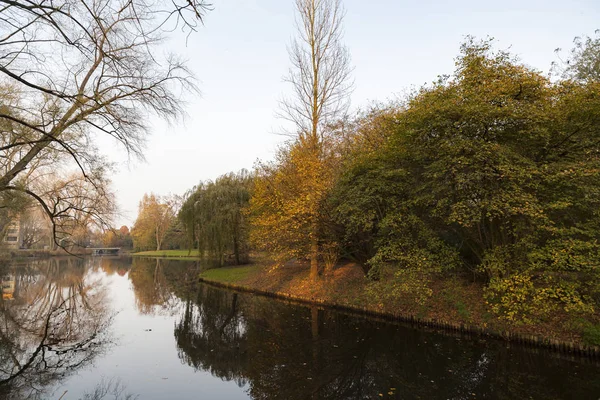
(213, 218)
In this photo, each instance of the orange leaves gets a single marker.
(287, 201)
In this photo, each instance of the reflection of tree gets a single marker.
(292, 352)
(58, 324)
(211, 335)
(112, 265)
(152, 292)
(156, 283)
(113, 389)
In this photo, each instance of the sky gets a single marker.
(240, 58)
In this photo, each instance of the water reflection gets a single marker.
(281, 351)
(179, 338)
(211, 336)
(157, 282)
(54, 322)
(113, 389)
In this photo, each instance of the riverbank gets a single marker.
(454, 305)
(180, 254)
(40, 253)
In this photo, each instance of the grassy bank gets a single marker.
(182, 254)
(7, 254)
(233, 275)
(454, 304)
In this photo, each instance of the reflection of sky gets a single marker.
(147, 362)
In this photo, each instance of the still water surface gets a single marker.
(103, 328)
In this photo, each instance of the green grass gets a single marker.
(229, 274)
(591, 334)
(169, 253)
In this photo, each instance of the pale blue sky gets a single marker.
(240, 57)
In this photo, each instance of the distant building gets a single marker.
(28, 230)
(13, 238)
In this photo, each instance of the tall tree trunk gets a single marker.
(314, 253)
(158, 241)
(236, 250)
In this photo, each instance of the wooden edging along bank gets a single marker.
(528, 340)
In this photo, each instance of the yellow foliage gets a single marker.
(287, 199)
(517, 299)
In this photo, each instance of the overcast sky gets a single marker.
(240, 58)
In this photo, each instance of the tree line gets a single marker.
(489, 175)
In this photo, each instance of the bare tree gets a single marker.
(320, 77)
(321, 70)
(76, 69)
(77, 206)
(36, 228)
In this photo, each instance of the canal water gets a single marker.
(102, 328)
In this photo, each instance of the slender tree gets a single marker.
(320, 78)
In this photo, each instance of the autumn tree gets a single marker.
(155, 216)
(320, 79)
(287, 200)
(491, 173)
(108, 80)
(117, 238)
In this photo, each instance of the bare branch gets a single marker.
(321, 69)
(74, 69)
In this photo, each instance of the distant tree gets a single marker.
(213, 217)
(116, 238)
(77, 205)
(36, 228)
(155, 216)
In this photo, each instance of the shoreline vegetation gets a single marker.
(452, 306)
(180, 254)
(470, 203)
(7, 254)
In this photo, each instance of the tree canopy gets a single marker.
(491, 171)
